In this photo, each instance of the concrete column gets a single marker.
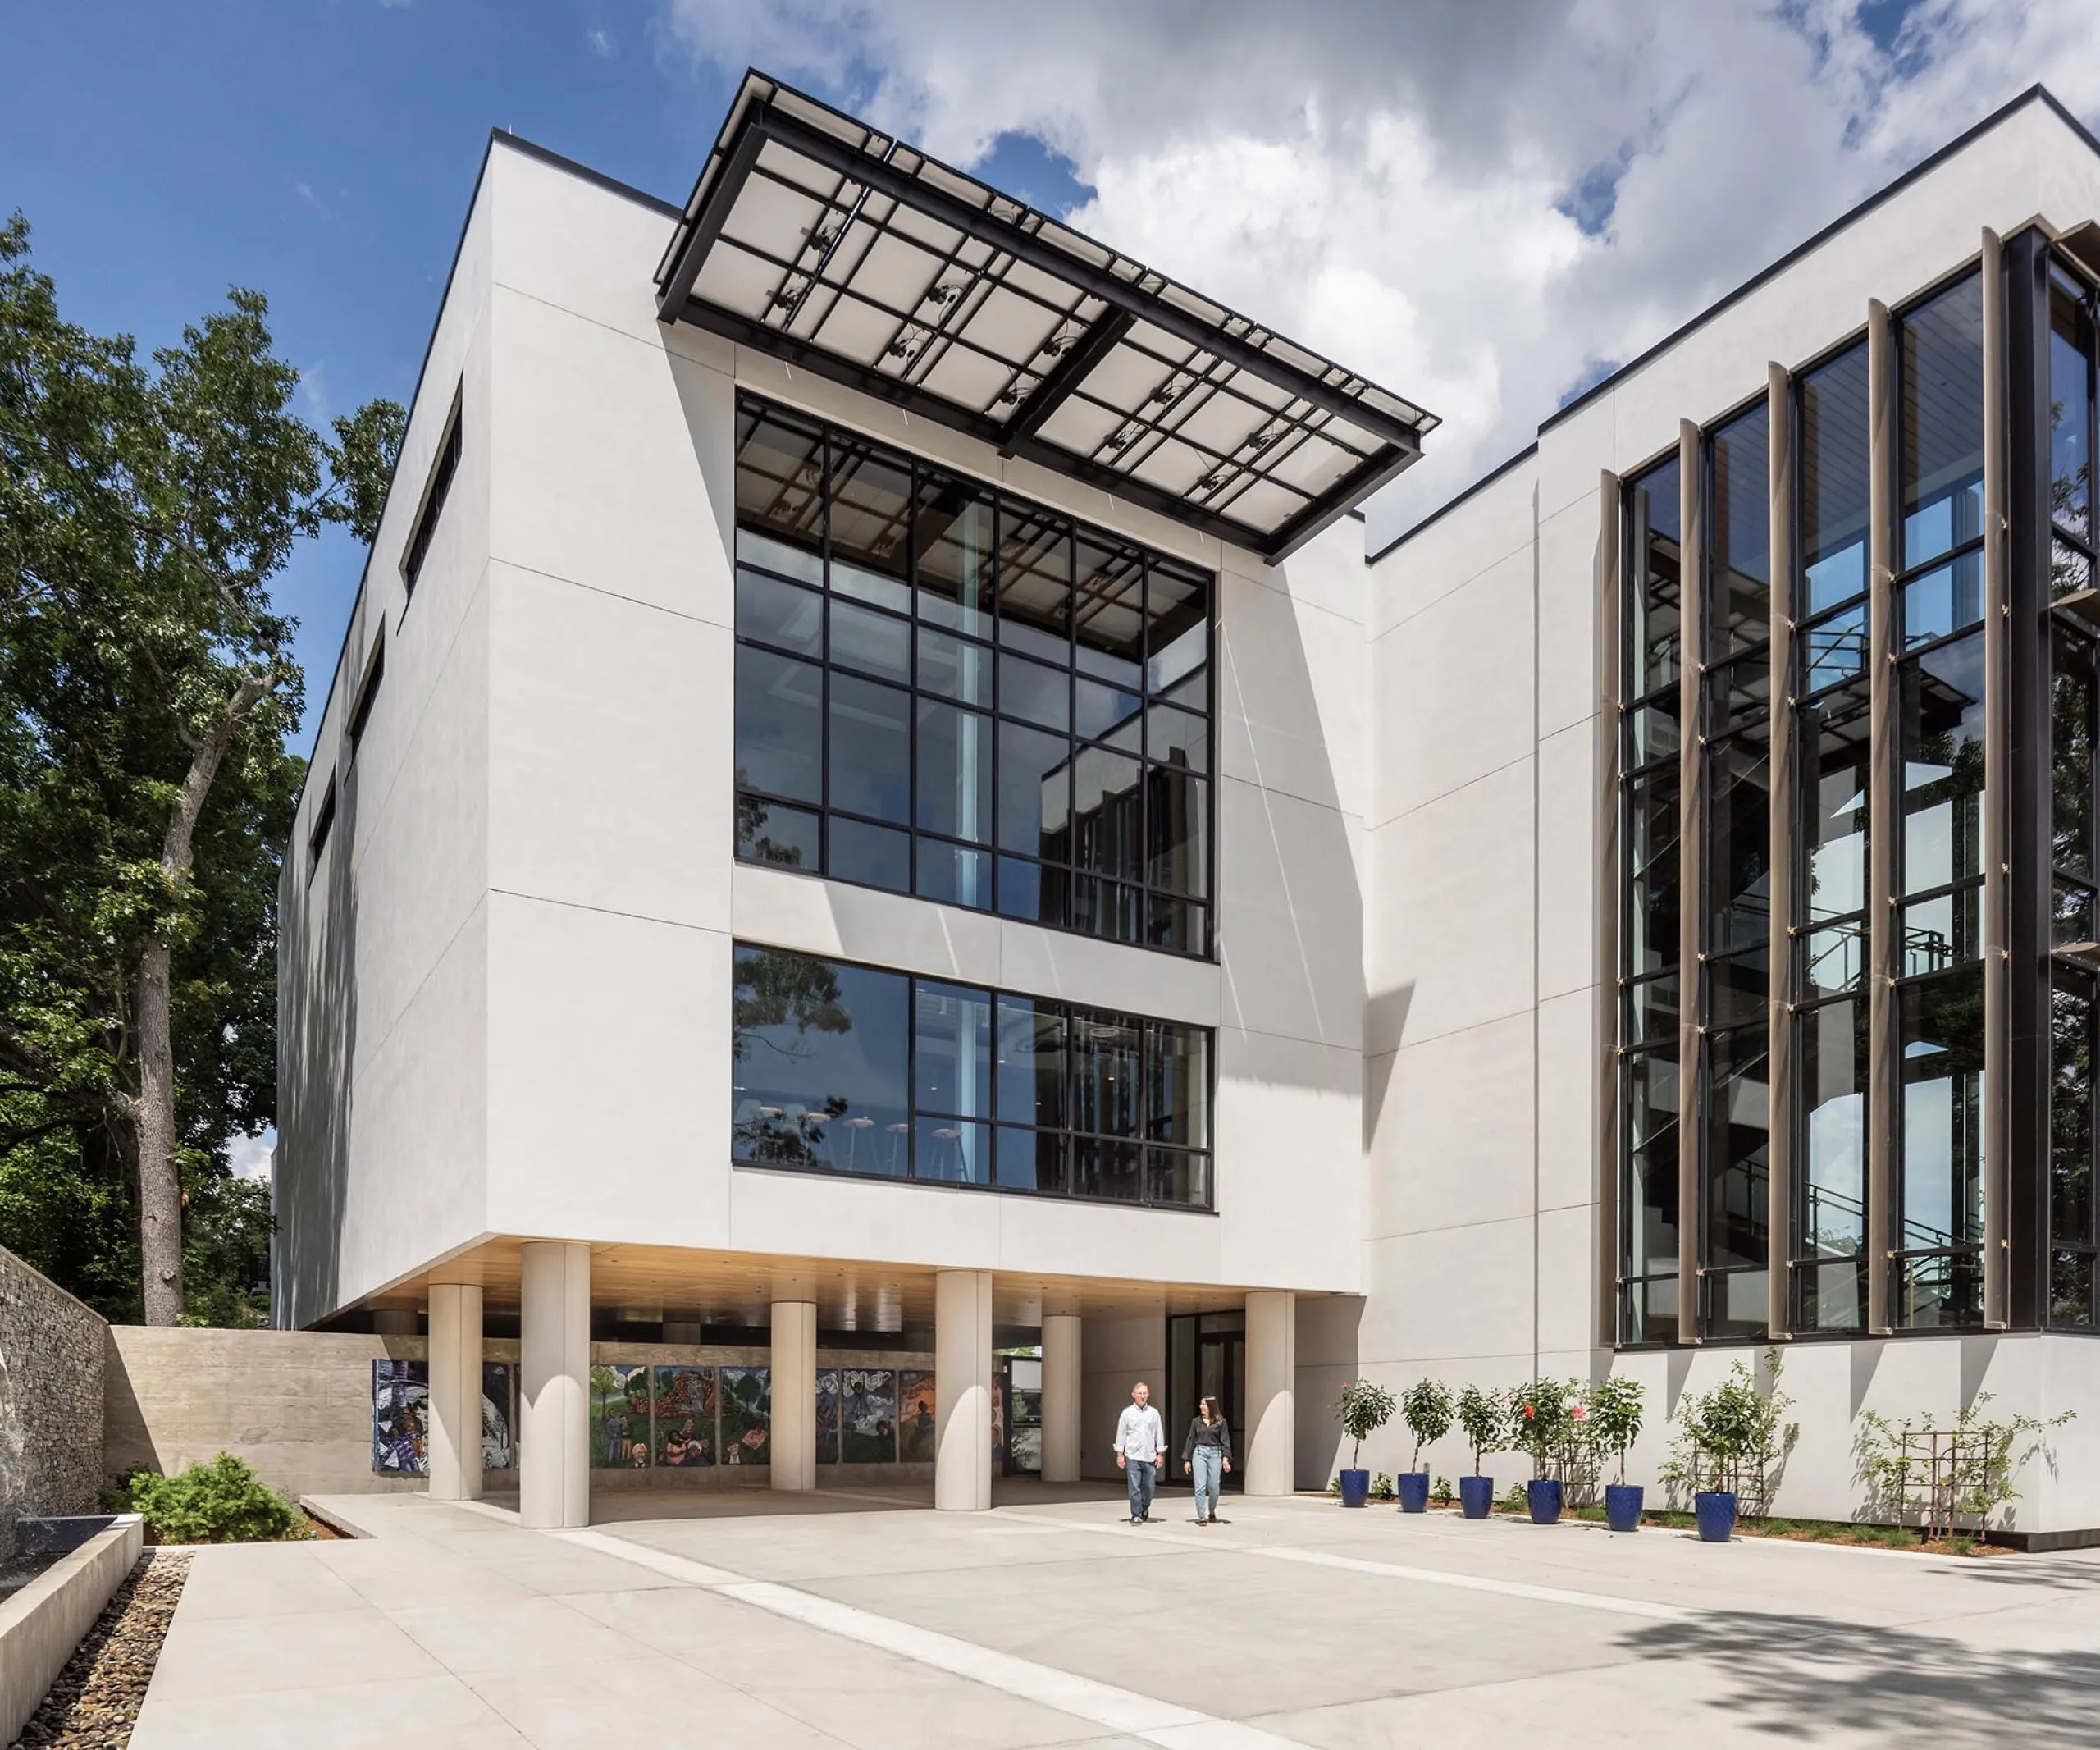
(455, 1391)
(962, 1355)
(794, 1362)
(1272, 1430)
(554, 1484)
(1061, 1415)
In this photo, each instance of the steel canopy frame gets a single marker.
(1127, 294)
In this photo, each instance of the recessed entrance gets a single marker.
(1206, 1357)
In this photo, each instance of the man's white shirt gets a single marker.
(1140, 1434)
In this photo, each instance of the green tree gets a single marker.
(147, 685)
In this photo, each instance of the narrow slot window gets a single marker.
(446, 465)
(324, 817)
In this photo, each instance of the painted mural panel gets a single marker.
(498, 1448)
(686, 1399)
(827, 1415)
(400, 1419)
(619, 1417)
(747, 1415)
(916, 1404)
(867, 1417)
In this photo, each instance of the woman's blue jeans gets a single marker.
(1209, 1464)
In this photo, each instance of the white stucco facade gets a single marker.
(506, 979)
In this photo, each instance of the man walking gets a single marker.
(1140, 1450)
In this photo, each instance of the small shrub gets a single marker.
(222, 1502)
(1426, 1408)
(1364, 1409)
(1381, 1488)
(1335, 1484)
(1973, 1479)
(1485, 1416)
(1441, 1492)
(1519, 1499)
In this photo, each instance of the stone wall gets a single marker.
(51, 1399)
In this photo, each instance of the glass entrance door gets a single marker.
(1206, 1357)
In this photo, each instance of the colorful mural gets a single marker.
(400, 1418)
(498, 1417)
(685, 1417)
(867, 1415)
(827, 1415)
(747, 1415)
(916, 1403)
(619, 1417)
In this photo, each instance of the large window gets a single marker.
(1735, 927)
(945, 691)
(1648, 765)
(1940, 1133)
(845, 1068)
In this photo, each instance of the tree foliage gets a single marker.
(146, 689)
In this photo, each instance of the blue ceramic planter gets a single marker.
(1622, 1505)
(1476, 1495)
(1716, 1513)
(1356, 1487)
(1414, 1491)
(1543, 1495)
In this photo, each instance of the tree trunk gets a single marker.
(160, 1179)
(160, 1182)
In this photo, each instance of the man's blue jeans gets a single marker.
(1141, 1474)
(1209, 1464)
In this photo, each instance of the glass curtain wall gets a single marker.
(1648, 972)
(852, 1069)
(1939, 1177)
(1829, 924)
(1736, 923)
(944, 691)
(2075, 700)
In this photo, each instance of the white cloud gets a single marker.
(601, 43)
(252, 1157)
(1481, 206)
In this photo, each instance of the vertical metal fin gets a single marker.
(1784, 857)
(1691, 882)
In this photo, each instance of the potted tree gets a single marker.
(1616, 1406)
(1364, 1409)
(1484, 1416)
(1723, 1427)
(1426, 1408)
(1542, 1418)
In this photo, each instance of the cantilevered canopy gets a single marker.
(859, 257)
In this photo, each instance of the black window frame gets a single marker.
(1161, 916)
(1070, 1134)
(445, 466)
(368, 697)
(324, 819)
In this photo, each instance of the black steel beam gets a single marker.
(1065, 376)
(721, 201)
(1336, 502)
(1119, 294)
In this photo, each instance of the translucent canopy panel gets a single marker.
(853, 254)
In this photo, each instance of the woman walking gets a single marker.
(1206, 1451)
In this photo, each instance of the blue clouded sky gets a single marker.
(1483, 206)
(324, 154)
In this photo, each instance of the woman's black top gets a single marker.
(1203, 1433)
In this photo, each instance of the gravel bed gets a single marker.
(95, 1701)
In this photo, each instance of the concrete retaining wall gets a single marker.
(50, 1399)
(296, 1405)
(41, 1625)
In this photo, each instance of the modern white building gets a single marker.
(874, 802)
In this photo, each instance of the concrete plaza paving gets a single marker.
(869, 1621)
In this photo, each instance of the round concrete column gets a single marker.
(962, 1355)
(1272, 1430)
(554, 1482)
(455, 1391)
(794, 1361)
(1061, 1433)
